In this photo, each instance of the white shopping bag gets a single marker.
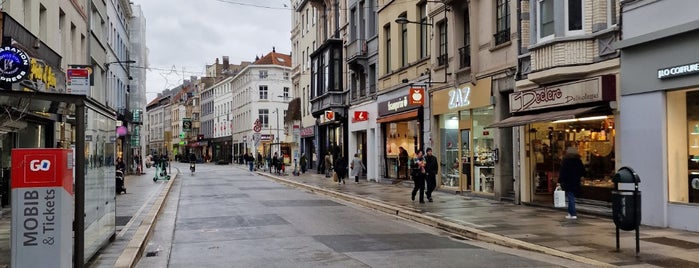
(559, 198)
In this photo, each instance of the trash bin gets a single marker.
(626, 204)
(626, 209)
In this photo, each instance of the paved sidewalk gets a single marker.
(590, 239)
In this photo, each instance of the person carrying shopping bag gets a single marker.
(572, 170)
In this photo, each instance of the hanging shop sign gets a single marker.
(360, 116)
(416, 96)
(187, 124)
(15, 64)
(601, 88)
(308, 132)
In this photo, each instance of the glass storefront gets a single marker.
(467, 158)
(683, 146)
(397, 135)
(593, 137)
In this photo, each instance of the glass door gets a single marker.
(466, 159)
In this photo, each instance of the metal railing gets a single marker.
(465, 56)
(502, 36)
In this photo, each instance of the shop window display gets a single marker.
(402, 139)
(683, 180)
(483, 154)
(449, 137)
(594, 139)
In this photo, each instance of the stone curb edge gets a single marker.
(455, 228)
(129, 257)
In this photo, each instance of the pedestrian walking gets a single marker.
(356, 166)
(251, 160)
(341, 169)
(572, 169)
(328, 164)
(431, 168)
(418, 173)
(274, 168)
(303, 163)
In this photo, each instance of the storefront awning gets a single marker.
(550, 116)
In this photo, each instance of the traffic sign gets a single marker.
(256, 138)
(257, 129)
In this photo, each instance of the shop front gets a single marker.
(401, 133)
(465, 148)
(660, 109)
(307, 146)
(222, 150)
(576, 115)
(362, 140)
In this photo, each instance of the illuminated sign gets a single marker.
(417, 96)
(15, 64)
(360, 116)
(678, 70)
(459, 97)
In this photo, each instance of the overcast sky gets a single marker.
(190, 34)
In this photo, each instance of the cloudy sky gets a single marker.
(187, 35)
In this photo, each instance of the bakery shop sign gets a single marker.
(15, 64)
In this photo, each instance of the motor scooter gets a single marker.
(119, 178)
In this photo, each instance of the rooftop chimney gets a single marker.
(226, 64)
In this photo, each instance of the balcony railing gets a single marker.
(502, 36)
(442, 59)
(465, 57)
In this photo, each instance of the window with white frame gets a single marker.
(545, 23)
(263, 74)
(286, 75)
(264, 117)
(574, 16)
(611, 13)
(264, 92)
(286, 92)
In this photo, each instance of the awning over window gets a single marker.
(551, 116)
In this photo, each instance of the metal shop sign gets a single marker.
(676, 71)
(308, 132)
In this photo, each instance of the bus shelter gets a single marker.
(89, 128)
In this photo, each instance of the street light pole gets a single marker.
(279, 146)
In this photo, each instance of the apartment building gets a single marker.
(138, 52)
(565, 97)
(303, 41)
(262, 91)
(362, 55)
(155, 128)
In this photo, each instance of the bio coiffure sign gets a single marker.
(676, 71)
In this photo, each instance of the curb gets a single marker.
(449, 226)
(133, 251)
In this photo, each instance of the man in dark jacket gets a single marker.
(431, 168)
(572, 169)
(418, 173)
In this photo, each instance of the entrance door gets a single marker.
(466, 184)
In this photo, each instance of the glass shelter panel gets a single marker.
(100, 209)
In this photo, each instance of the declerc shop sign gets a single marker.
(681, 70)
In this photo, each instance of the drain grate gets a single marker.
(151, 254)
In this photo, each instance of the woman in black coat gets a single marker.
(341, 169)
(572, 170)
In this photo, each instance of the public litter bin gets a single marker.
(626, 204)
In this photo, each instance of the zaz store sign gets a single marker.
(42, 207)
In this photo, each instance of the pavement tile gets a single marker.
(591, 236)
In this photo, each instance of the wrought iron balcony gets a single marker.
(502, 36)
(442, 59)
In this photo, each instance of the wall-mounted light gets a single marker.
(580, 119)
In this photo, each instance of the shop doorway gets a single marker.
(466, 157)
